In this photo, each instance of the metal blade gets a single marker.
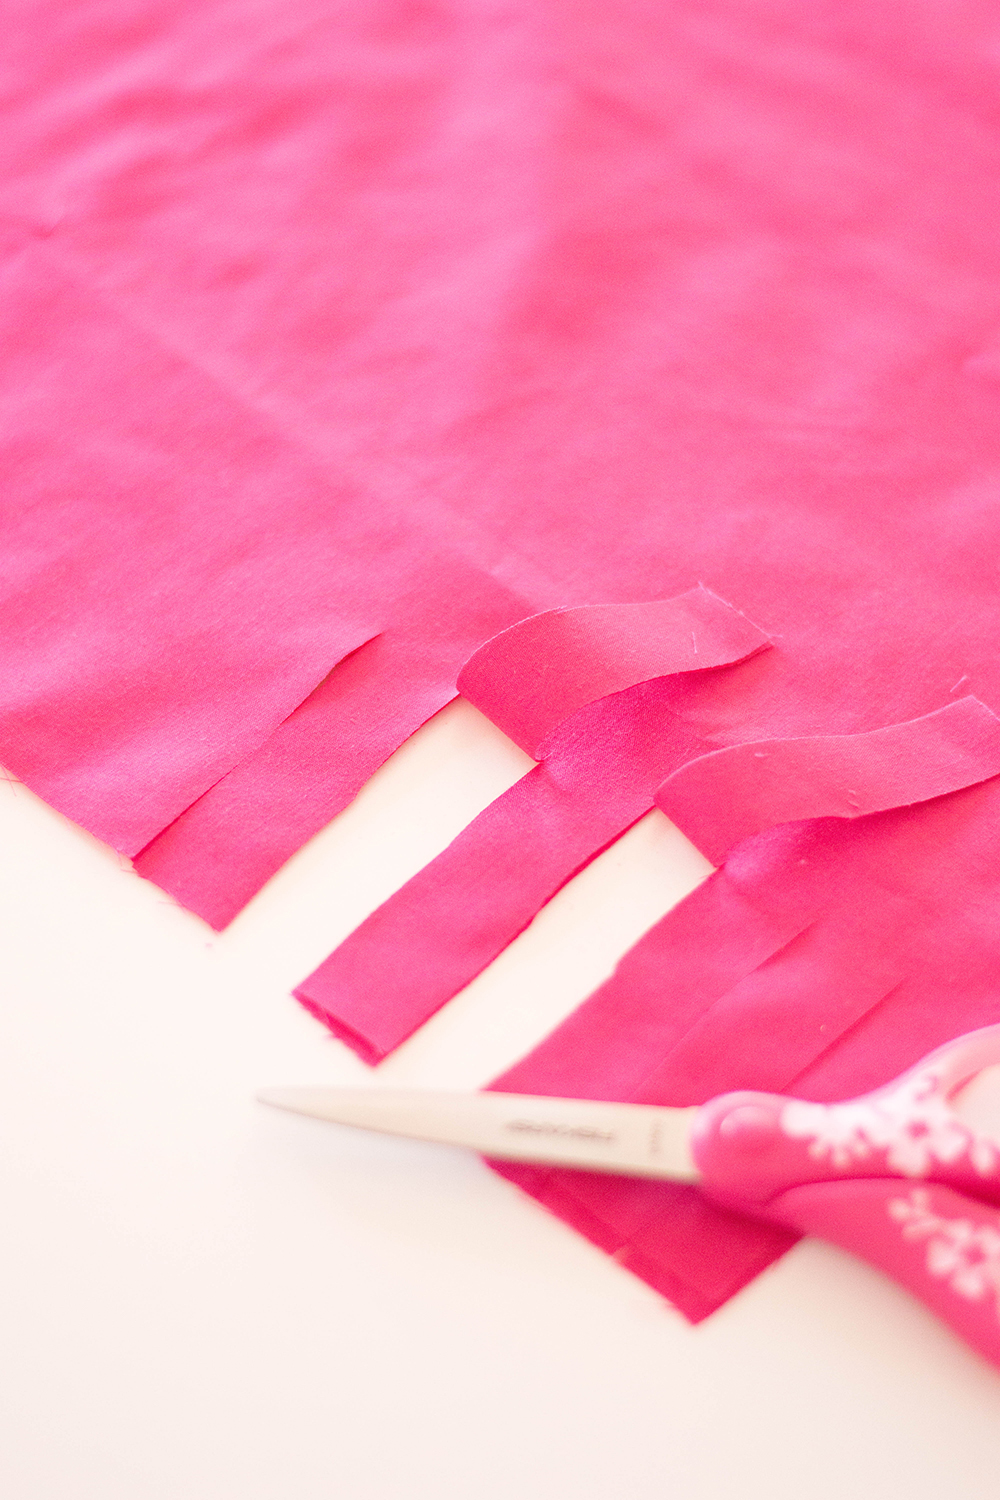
(634, 1140)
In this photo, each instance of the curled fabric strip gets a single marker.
(725, 796)
(539, 672)
(823, 958)
(597, 778)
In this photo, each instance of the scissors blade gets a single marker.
(633, 1140)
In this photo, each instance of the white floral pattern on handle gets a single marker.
(912, 1124)
(964, 1254)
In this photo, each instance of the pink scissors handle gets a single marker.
(894, 1176)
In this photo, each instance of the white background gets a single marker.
(207, 1300)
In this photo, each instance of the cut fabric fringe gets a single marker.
(599, 768)
(223, 848)
(597, 778)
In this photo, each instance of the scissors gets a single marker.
(905, 1177)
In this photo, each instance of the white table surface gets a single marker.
(207, 1300)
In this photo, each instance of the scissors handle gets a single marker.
(943, 1246)
(895, 1176)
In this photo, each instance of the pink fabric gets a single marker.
(222, 848)
(179, 579)
(597, 775)
(538, 673)
(724, 797)
(596, 779)
(823, 959)
(335, 340)
(147, 648)
(599, 304)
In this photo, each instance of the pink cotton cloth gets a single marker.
(335, 341)
(600, 305)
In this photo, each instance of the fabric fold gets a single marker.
(729, 794)
(597, 776)
(542, 670)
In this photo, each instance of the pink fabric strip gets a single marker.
(822, 958)
(457, 914)
(462, 910)
(539, 672)
(597, 778)
(224, 847)
(729, 794)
